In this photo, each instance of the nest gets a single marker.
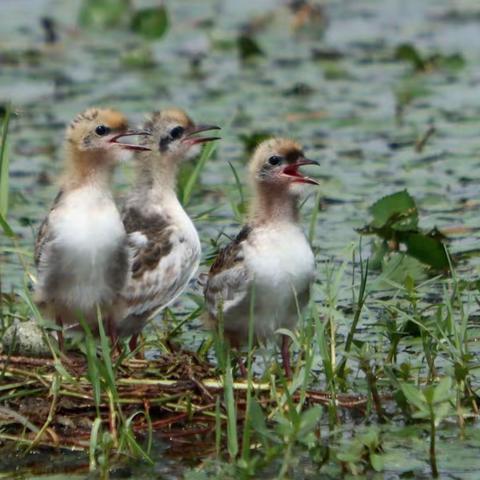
(178, 396)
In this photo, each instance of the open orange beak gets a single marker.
(291, 171)
(131, 146)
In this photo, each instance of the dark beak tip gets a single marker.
(308, 161)
(207, 127)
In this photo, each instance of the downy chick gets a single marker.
(270, 255)
(163, 242)
(81, 250)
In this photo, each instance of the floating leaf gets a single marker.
(408, 53)
(395, 220)
(248, 47)
(99, 14)
(397, 211)
(428, 250)
(141, 57)
(421, 63)
(152, 23)
(250, 141)
(449, 62)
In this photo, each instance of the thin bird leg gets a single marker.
(241, 366)
(112, 332)
(133, 343)
(286, 356)
(60, 339)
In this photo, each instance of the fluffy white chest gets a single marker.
(87, 230)
(89, 225)
(282, 263)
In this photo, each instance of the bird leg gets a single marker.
(60, 338)
(133, 343)
(241, 366)
(111, 328)
(286, 356)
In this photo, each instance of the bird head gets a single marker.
(276, 163)
(174, 135)
(99, 131)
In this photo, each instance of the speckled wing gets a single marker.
(229, 279)
(161, 265)
(44, 235)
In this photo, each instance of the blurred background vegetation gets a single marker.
(384, 93)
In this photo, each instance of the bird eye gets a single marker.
(274, 160)
(176, 132)
(102, 130)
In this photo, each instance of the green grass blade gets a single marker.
(206, 154)
(94, 440)
(7, 230)
(314, 217)
(247, 420)
(232, 439)
(4, 166)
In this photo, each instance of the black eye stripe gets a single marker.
(163, 144)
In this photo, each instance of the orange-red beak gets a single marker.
(291, 170)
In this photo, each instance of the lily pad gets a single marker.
(428, 250)
(250, 141)
(151, 23)
(248, 47)
(397, 211)
(99, 14)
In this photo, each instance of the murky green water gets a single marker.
(343, 110)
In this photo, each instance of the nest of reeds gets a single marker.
(179, 396)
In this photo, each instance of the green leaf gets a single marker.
(248, 47)
(442, 411)
(397, 211)
(258, 421)
(141, 58)
(449, 62)
(443, 391)
(428, 250)
(309, 419)
(251, 140)
(377, 462)
(414, 395)
(6, 227)
(408, 53)
(370, 438)
(151, 23)
(421, 414)
(99, 14)
(399, 267)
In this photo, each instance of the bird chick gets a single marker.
(270, 256)
(81, 251)
(163, 242)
